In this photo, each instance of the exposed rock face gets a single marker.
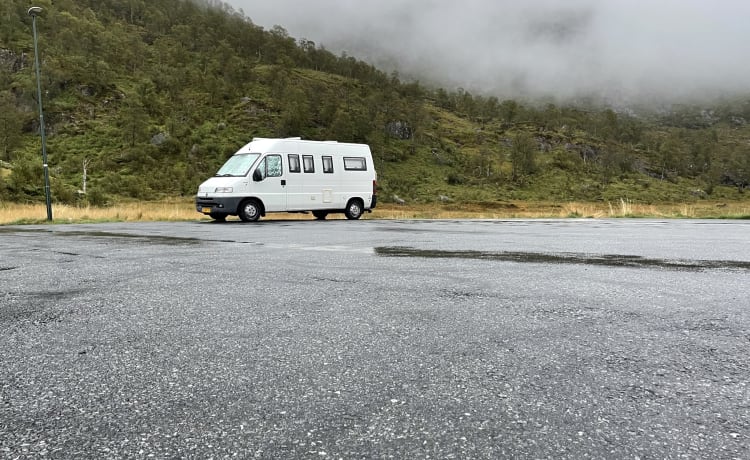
(159, 139)
(11, 61)
(587, 152)
(86, 90)
(399, 130)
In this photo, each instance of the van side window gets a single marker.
(307, 161)
(328, 165)
(355, 164)
(274, 165)
(270, 166)
(294, 163)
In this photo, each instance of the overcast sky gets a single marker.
(622, 50)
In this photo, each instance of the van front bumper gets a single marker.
(217, 205)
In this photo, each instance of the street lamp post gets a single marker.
(34, 11)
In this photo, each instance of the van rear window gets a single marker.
(328, 165)
(355, 164)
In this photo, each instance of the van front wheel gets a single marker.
(249, 211)
(354, 209)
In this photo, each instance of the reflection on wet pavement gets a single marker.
(156, 239)
(613, 260)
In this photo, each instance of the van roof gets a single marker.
(292, 139)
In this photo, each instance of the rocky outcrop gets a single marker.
(399, 130)
(159, 139)
(11, 61)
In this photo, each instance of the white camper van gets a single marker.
(291, 175)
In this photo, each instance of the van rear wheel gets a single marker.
(249, 211)
(354, 209)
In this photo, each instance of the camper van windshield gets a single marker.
(238, 165)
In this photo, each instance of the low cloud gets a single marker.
(624, 51)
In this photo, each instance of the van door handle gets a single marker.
(283, 182)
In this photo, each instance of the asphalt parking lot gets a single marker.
(376, 339)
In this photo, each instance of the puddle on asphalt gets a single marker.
(155, 239)
(611, 260)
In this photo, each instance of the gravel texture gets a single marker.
(376, 339)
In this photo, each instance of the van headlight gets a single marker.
(223, 190)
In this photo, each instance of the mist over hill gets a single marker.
(620, 51)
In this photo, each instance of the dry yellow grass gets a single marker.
(534, 210)
(174, 210)
(183, 210)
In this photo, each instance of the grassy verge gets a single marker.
(183, 210)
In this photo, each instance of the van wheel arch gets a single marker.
(250, 210)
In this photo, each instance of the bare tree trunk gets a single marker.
(86, 163)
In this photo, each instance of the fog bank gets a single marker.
(625, 51)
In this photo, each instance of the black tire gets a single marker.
(354, 209)
(249, 211)
(320, 215)
(218, 217)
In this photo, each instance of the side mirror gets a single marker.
(257, 176)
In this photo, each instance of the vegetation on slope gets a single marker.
(149, 98)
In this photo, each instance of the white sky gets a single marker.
(623, 50)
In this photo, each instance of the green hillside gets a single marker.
(151, 97)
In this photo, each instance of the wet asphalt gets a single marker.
(376, 339)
